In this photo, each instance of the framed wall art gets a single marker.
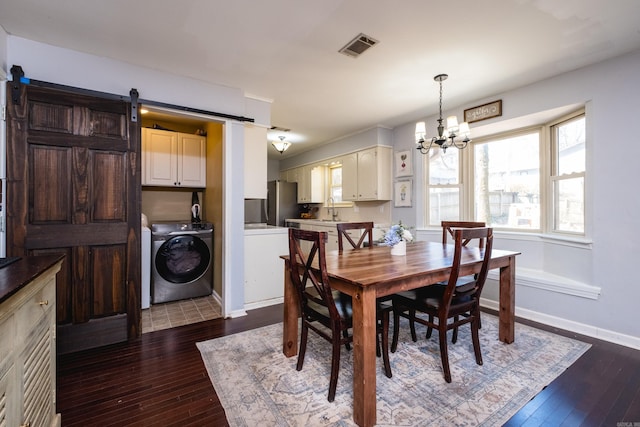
(402, 193)
(483, 112)
(404, 163)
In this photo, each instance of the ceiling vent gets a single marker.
(280, 129)
(358, 45)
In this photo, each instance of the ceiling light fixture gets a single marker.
(281, 145)
(446, 137)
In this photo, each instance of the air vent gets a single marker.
(278, 128)
(358, 45)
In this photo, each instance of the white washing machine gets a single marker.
(145, 259)
(181, 261)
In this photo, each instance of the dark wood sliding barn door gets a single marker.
(73, 187)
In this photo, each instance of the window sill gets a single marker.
(539, 279)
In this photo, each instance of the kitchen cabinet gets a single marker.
(311, 184)
(332, 234)
(263, 267)
(255, 162)
(366, 175)
(173, 159)
(28, 352)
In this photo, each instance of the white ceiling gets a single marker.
(286, 51)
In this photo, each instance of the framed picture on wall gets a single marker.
(402, 193)
(404, 163)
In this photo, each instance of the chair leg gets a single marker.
(385, 343)
(335, 367)
(475, 325)
(345, 334)
(429, 328)
(444, 353)
(396, 328)
(454, 339)
(377, 346)
(412, 324)
(303, 345)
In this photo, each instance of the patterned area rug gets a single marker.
(258, 385)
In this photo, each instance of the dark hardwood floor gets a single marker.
(161, 380)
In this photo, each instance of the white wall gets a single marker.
(611, 91)
(52, 64)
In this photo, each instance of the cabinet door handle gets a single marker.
(45, 302)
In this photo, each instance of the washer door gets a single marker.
(182, 259)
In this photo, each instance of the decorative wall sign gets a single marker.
(483, 112)
(404, 163)
(402, 193)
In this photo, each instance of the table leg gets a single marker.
(507, 301)
(291, 314)
(364, 357)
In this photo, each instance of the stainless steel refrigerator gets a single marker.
(282, 202)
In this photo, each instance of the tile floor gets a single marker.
(177, 313)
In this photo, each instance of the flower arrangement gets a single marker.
(396, 234)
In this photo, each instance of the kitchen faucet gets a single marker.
(334, 215)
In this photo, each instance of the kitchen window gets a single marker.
(335, 183)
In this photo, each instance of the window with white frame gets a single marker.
(524, 180)
(335, 183)
(567, 174)
(506, 174)
(444, 185)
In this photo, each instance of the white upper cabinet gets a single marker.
(311, 184)
(173, 159)
(255, 162)
(366, 175)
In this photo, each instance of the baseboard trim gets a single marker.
(569, 325)
(264, 303)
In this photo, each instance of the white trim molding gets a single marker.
(550, 282)
(569, 325)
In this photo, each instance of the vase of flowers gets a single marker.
(397, 237)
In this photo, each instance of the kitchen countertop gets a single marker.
(15, 276)
(259, 229)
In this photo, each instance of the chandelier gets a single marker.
(446, 137)
(281, 145)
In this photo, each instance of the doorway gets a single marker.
(169, 204)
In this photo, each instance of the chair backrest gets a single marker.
(310, 268)
(473, 288)
(448, 226)
(366, 236)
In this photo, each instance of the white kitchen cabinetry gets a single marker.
(173, 159)
(255, 162)
(311, 184)
(28, 354)
(366, 175)
(332, 234)
(263, 267)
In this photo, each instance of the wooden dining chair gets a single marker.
(324, 310)
(437, 289)
(457, 305)
(448, 226)
(366, 236)
(366, 240)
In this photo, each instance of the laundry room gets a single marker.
(181, 209)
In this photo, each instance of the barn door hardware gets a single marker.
(18, 76)
(133, 94)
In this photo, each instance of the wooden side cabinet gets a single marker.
(28, 354)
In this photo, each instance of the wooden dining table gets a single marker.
(370, 273)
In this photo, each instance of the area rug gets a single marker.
(258, 385)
